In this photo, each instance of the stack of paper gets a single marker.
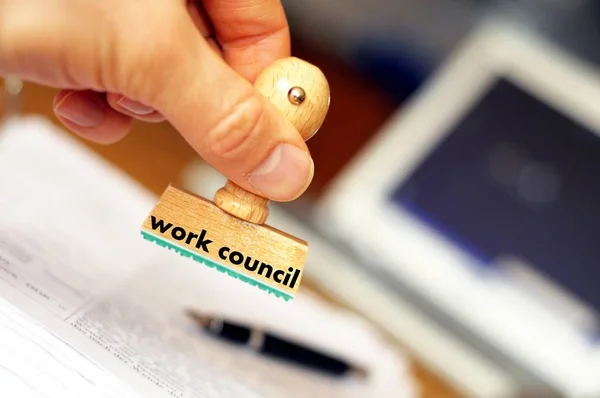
(89, 308)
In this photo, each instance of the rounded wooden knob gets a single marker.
(299, 91)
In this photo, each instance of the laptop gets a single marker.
(481, 200)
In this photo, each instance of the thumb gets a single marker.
(232, 125)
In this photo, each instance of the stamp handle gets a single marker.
(300, 91)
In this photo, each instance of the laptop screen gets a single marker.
(516, 178)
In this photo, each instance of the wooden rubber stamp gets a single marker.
(230, 233)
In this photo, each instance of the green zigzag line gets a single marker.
(213, 264)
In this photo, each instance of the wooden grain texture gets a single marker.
(276, 82)
(242, 204)
(268, 258)
(282, 75)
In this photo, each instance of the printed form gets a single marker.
(69, 242)
(89, 308)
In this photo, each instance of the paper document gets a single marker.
(89, 308)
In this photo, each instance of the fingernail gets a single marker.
(284, 174)
(81, 109)
(134, 106)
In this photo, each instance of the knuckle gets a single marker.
(240, 128)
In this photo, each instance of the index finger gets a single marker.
(252, 33)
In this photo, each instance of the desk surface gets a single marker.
(349, 124)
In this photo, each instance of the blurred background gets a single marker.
(377, 55)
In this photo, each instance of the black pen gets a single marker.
(277, 347)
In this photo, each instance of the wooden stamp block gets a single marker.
(229, 233)
(257, 254)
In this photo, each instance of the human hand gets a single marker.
(152, 60)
